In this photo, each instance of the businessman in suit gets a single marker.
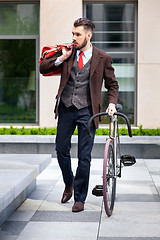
(83, 69)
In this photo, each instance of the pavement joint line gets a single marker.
(132, 213)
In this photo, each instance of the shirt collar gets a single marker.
(87, 53)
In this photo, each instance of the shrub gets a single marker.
(52, 131)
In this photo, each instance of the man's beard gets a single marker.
(82, 45)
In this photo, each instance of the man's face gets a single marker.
(80, 37)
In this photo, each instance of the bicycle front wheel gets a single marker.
(109, 178)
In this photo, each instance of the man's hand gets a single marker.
(66, 53)
(111, 109)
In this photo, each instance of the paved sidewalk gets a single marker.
(136, 215)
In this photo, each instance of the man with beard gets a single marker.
(83, 68)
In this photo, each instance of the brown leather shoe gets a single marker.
(78, 207)
(67, 194)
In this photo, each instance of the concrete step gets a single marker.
(18, 174)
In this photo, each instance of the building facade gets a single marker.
(127, 30)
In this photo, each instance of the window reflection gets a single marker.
(115, 34)
(17, 81)
(19, 19)
(19, 31)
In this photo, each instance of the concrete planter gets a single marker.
(140, 146)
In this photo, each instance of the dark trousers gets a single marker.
(68, 119)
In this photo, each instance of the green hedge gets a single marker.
(27, 131)
(52, 131)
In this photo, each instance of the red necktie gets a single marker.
(80, 61)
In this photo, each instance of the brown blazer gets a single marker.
(101, 68)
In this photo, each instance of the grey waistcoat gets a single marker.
(76, 91)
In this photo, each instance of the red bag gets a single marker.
(50, 51)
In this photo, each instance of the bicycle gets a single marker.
(113, 161)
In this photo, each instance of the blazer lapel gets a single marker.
(70, 62)
(94, 61)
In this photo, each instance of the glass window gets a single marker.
(17, 81)
(19, 33)
(19, 19)
(115, 34)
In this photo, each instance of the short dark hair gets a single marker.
(85, 22)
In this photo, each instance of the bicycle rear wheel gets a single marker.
(109, 179)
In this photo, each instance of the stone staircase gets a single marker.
(18, 173)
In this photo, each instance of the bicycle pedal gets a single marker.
(98, 190)
(128, 160)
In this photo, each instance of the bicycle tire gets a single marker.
(109, 179)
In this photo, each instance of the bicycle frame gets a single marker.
(113, 135)
(111, 166)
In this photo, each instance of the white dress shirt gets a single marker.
(86, 56)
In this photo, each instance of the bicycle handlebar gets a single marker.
(105, 113)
